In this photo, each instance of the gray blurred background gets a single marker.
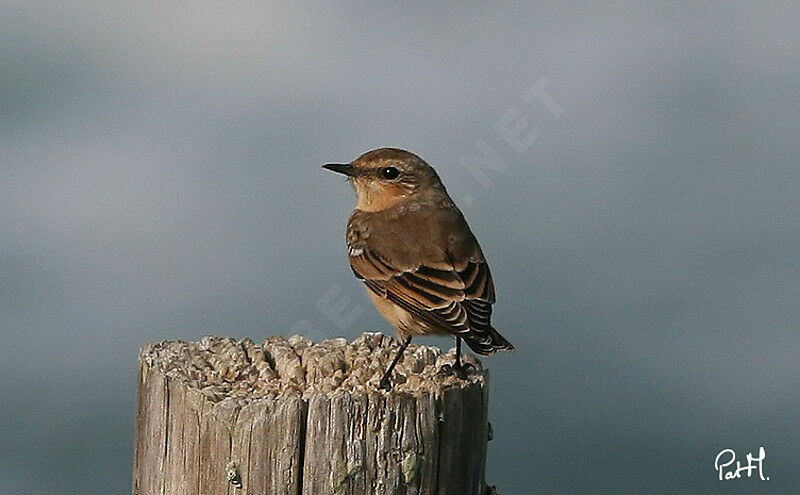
(161, 180)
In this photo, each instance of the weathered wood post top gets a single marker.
(288, 416)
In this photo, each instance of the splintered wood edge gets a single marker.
(223, 368)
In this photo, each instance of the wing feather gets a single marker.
(446, 284)
(442, 298)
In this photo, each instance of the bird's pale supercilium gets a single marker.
(410, 245)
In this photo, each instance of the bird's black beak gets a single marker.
(342, 168)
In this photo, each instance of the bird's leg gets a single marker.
(457, 364)
(459, 369)
(386, 381)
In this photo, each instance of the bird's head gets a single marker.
(384, 177)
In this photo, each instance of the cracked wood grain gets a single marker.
(288, 416)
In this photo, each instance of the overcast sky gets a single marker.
(161, 180)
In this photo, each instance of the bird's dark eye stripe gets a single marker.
(390, 173)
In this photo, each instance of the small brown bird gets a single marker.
(412, 248)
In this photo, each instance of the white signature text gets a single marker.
(727, 457)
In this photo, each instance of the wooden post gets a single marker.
(293, 417)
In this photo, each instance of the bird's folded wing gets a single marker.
(456, 297)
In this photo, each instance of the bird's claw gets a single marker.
(385, 384)
(463, 370)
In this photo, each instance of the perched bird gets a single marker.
(410, 245)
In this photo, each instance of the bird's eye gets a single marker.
(390, 173)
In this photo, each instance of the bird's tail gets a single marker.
(500, 343)
(488, 343)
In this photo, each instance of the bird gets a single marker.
(411, 247)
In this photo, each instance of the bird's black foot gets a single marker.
(460, 372)
(386, 381)
(463, 370)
